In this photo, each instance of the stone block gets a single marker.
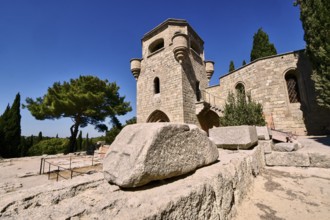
(279, 136)
(285, 147)
(142, 153)
(234, 137)
(266, 145)
(295, 159)
(319, 160)
(263, 133)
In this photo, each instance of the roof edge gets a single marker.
(167, 22)
(263, 58)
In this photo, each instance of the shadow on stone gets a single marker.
(158, 183)
(323, 140)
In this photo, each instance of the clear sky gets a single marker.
(46, 41)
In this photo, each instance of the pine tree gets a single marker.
(243, 63)
(261, 46)
(231, 66)
(85, 100)
(315, 18)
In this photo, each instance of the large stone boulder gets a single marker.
(142, 153)
(234, 137)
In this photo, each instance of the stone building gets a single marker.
(173, 76)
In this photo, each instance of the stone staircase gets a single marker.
(208, 102)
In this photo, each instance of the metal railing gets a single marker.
(210, 98)
(57, 169)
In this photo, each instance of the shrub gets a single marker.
(241, 110)
(50, 146)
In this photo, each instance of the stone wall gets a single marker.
(265, 80)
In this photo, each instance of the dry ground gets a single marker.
(288, 193)
(291, 193)
(23, 173)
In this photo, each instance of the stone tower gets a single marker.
(172, 76)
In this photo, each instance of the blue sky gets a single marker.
(46, 41)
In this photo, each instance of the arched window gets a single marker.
(195, 47)
(240, 88)
(292, 85)
(156, 45)
(156, 85)
(198, 92)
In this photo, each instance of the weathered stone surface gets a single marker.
(212, 192)
(319, 160)
(142, 153)
(234, 137)
(285, 147)
(287, 159)
(262, 132)
(279, 136)
(266, 145)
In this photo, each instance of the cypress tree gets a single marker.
(11, 125)
(315, 18)
(231, 66)
(3, 120)
(261, 46)
(31, 140)
(40, 136)
(243, 63)
(79, 141)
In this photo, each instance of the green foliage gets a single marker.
(315, 17)
(112, 134)
(261, 46)
(115, 130)
(240, 110)
(79, 141)
(10, 130)
(131, 121)
(86, 100)
(49, 146)
(40, 136)
(231, 66)
(243, 63)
